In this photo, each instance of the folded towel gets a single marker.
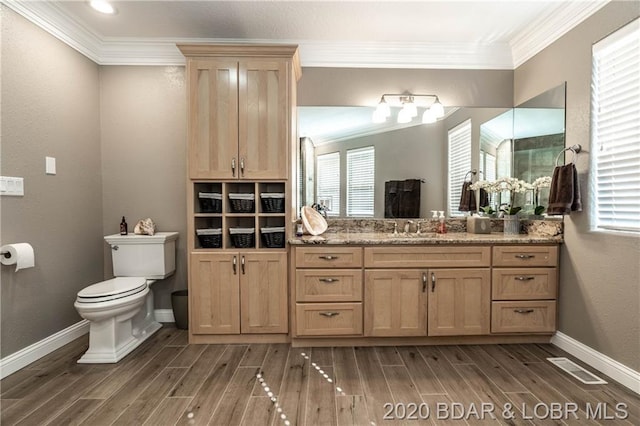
(564, 193)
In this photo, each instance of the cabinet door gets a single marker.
(395, 303)
(263, 290)
(214, 293)
(213, 119)
(263, 119)
(459, 302)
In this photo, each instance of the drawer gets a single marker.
(524, 283)
(523, 317)
(529, 255)
(329, 285)
(425, 257)
(328, 319)
(328, 257)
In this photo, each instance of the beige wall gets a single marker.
(143, 133)
(600, 272)
(50, 107)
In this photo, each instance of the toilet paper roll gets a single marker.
(20, 254)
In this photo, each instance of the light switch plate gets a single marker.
(50, 165)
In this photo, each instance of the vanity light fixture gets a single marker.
(410, 104)
(102, 7)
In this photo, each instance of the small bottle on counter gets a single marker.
(442, 227)
(299, 230)
(124, 229)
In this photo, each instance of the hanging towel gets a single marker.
(467, 198)
(391, 199)
(402, 198)
(564, 193)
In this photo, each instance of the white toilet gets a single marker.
(120, 310)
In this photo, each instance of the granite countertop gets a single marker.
(380, 238)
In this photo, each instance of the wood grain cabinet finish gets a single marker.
(395, 302)
(328, 319)
(333, 285)
(239, 293)
(533, 316)
(240, 124)
(459, 302)
(524, 289)
(329, 257)
(427, 257)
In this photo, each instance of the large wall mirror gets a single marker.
(356, 168)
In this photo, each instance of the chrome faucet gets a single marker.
(418, 224)
(395, 228)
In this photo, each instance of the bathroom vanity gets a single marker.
(380, 288)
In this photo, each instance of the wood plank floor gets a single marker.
(166, 381)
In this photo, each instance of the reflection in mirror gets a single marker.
(356, 160)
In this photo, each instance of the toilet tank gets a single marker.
(148, 256)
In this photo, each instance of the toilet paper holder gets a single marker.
(6, 254)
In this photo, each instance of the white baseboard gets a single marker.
(164, 315)
(612, 368)
(32, 353)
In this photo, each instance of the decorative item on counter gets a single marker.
(299, 230)
(313, 221)
(145, 227)
(537, 185)
(320, 208)
(124, 228)
(478, 225)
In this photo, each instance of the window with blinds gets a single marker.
(328, 182)
(616, 130)
(459, 163)
(360, 181)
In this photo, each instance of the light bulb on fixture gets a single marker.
(378, 117)
(383, 108)
(404, 116)
(428, 117)
(102, 7)
(437, 109)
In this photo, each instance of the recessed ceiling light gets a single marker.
(102, 7)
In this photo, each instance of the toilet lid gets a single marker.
(112, 289)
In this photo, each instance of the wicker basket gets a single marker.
(210, 202)
(210, 238)
(273, 237)
(242, 203)
(272, 202)
(243, 237)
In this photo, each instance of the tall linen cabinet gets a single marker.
(242, 141)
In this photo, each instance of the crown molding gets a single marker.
(550, 27)
(425, 55)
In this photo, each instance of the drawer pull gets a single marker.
(424, 282)
(525, 256)
(329, 314)
(433, 282)
(328, 257)
(523, 278)
(523, 311)
(328, 280)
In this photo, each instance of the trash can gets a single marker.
(180, 305)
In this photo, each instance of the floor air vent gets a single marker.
(576, 371)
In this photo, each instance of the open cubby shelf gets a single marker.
(220, 207)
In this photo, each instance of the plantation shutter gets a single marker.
(459, 163)
(360, 181)
(616, 129)
(328, 182)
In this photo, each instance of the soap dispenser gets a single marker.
(442, 227)
(124, 229)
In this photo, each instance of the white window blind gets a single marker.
(459, 163)
(360, 181)
(328, 182)
(616, 129)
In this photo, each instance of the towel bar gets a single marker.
(573, 148)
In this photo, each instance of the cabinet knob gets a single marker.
(328, 280)
(523, 311)
(329, 314)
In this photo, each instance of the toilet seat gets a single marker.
(113, 289)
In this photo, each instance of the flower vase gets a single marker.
(511, 224)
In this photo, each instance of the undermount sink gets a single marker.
(413, 235)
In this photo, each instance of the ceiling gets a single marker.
(473, 34)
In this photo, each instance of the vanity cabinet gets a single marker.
(239, 293)
(328, 291)
(241, 136)
(524, 289)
